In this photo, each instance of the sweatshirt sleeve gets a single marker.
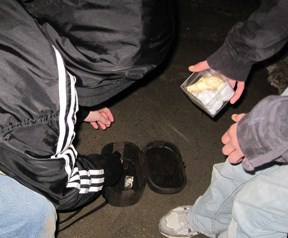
(261, 36)
(263, 133)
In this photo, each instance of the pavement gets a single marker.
(157, 109)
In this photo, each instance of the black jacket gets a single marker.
(261, 36)
(107, 45)
(53, 57)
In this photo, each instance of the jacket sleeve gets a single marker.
(263, 133)
(262, 35)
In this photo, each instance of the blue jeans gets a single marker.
(241, 205)
(24, 213)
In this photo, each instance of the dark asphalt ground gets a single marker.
(157, 109)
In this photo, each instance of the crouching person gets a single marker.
(47, 79)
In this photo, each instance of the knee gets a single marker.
(44, 217)
(30, 217)
(27, 213)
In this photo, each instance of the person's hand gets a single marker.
(231, 146)
(102, 118)
(239, 86)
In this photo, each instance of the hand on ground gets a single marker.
(102, 118)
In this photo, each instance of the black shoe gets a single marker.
(129, 189)
(166, 169)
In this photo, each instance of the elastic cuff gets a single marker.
(82, 113)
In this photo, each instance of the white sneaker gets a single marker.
(175, 223)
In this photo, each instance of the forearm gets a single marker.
(263, 134)
(263, 34)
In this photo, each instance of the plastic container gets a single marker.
(209, 90)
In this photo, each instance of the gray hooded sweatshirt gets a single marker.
(263, 133)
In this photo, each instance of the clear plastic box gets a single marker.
(209, 90)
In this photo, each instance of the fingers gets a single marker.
(235, 157)
(225, 138)
(231, 146)
(232, 83)
(107, 114)
(102, 118)
(237, 117)
(106, 118)
(233, 153)
(199, 66)
(230, 134)
(228, 149)
(238, 92)
(100, 124)
(104, 126)
(104, 122)
(94, 125)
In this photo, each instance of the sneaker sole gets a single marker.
(177, 236)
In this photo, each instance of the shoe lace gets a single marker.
(184, 221)
(183, 217)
